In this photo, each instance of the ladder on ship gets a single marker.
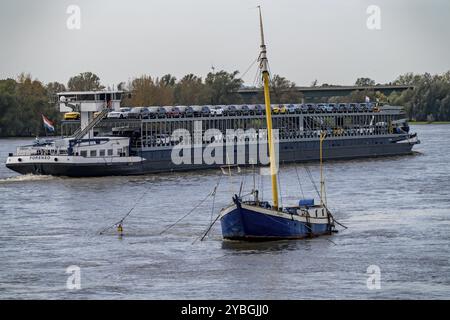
(80, 133)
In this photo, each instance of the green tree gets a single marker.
(284, 91)
(364, 82)
(191, 90)
(53, 88)
(22, 103)
(222, 87)
(86, 81)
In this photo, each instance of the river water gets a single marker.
(397, 211)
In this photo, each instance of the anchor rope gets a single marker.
(213, 193)
(120, 222)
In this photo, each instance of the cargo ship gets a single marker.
(103, 142)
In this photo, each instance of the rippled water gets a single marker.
(397, 210)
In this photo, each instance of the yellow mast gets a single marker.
(265, 77)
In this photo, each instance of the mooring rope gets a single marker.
(213, 193)
(120, 222)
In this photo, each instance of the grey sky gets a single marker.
(307, 39)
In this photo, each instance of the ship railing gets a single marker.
(37, 151)
(165, 140)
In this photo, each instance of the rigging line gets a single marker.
(248, 69)
(214, 198)
(312, 180)
(257, 79)
(328, 211)
(279, 188)
(128, 213)
(254, 177)
(261, 181)
(299, 182)
(192, 210)
(208, 229)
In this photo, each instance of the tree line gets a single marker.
(23, 100)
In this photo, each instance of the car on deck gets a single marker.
(71, 116)
(121, 114)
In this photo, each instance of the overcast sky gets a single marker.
(327, 40)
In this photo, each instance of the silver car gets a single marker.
(121, 114)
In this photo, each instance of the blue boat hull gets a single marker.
(251, 225)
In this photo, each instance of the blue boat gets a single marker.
(257, 220)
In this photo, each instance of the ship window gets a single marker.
(93, 153)
(83, 153)
(110, 152)
(102, 153)
(87, 97)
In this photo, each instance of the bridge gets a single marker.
(321, 94)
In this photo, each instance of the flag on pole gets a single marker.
(48, 124)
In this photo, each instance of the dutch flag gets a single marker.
(48, 124)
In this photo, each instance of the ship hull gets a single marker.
(76, 170)
(157, 161)
(252, 223)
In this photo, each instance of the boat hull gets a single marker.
(75, 166)
(249, 223)
(156, 161)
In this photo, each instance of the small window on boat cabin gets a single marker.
(102, 153)
(110, 152)
(83, 153)
(93, 153)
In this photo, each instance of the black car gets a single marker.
(138, 113)
(341, 107)
(352, 107)
(186, 111)
(311, 107)
(157, 112)
(244, 109)
(201, 111)
(231, 111)
(256, 109)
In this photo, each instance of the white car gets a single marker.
(217, 110)
(121, 114)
